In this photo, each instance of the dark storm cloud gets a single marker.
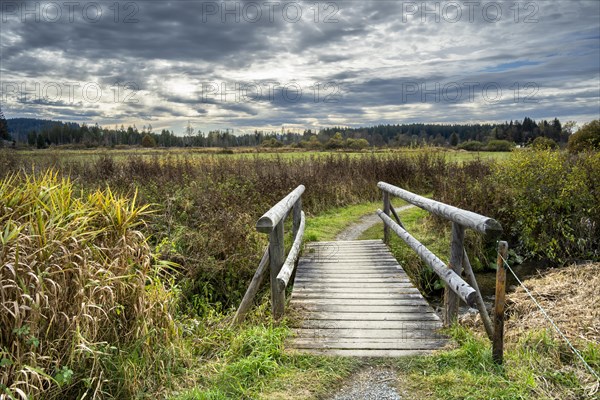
(371, 52)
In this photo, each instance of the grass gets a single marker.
(250, 362)
(72, 155)
(81, 293)
(534, 367)
(327, 225)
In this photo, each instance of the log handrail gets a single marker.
(462, 217)
(456, 287)
(288, 267)
(281, 268)
(453, 280)
(279, 211)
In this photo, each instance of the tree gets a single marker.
(454, 139)
(148, 141)
(567, 131)
(32, 138)
(40, 142)
(585, 139)
(4, 135)
(336, 142)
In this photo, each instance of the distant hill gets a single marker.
(20, 127)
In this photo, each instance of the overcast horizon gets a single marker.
(247, 65)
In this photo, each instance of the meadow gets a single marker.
(158, 246)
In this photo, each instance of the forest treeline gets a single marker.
(43, 133)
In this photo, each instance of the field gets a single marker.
(160, 245)
(243, 152)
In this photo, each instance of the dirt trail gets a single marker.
(354, 231)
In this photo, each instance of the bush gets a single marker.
(547, 202)
(148, 141)
(471, 145)
(79, 292)
(544, 143)
(357, 144)
(585, 139)
(499, 145)
(271, 142)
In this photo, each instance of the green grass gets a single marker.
(250, 362)
(538, 366)
(326, 226)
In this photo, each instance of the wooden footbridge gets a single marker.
(352, 298)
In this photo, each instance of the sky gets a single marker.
(268, 65)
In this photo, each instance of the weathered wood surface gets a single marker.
(351, 303)
(451, 300)
(465, 218)
(288, 267)
(276, 260)
(498, 341)
(485, 317)
(279, 211)
(257, 280)
(452, 280)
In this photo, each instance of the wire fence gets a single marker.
(545, 314)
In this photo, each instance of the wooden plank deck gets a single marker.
(356, 300)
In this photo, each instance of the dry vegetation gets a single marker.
(571, 298)
(78, 289)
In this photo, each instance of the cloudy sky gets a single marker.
(266, 64)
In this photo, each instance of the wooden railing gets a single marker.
(281, 267)
(456, 288)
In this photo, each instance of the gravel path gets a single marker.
(354, 231)
(370, 383)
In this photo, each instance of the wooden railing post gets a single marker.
(386, 211)
(257, 280)
(498, 342)
(276, 260)
(451, 299)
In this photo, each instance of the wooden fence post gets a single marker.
(276, 260)
(498, 342)
(386, 211)
(451, 300)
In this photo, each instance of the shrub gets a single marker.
(547, 202)
(585, 139)
(79, 292)
(336, 142)
(499, 145)
(271, 142)
(357, 144)
(471, 145)
(148, 141)
(544, 143)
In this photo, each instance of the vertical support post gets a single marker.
(297, 215)
(498, 342)
(386, 211)
(451, 299)
(485, 317)
(276, 260)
